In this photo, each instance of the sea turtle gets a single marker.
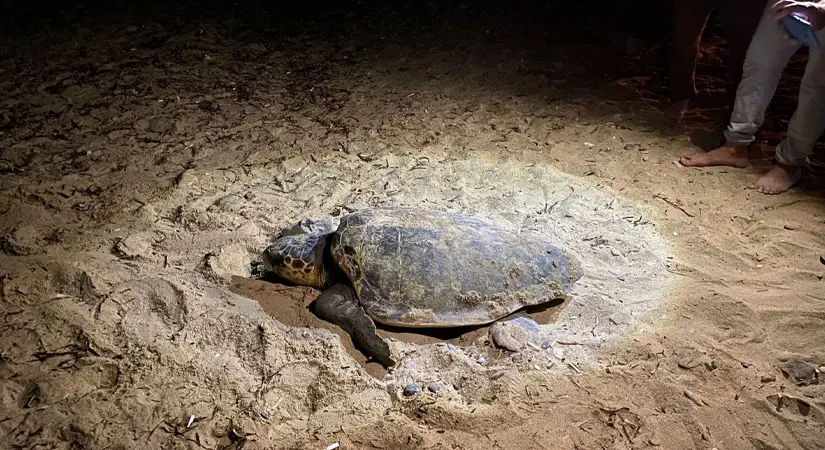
(418, 268)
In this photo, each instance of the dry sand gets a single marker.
(145, 166)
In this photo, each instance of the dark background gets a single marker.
(625, 39)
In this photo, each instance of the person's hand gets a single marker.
(813, 11)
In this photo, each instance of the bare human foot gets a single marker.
(778, 180)
(732, 155)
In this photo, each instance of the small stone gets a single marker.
(589, 144)
(768, 378)
(804, 370)
(517, 358)
(545, 344)
(689, 363)
(822, 259)
(481, 360)
(514, 334)
(558, 353)
(187, 178)
(411, 389)
(452, 348)
(790, 227)
(133, 247)
(433, 388)
(631, 147)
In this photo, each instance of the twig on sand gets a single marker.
(578, 385)
(692, 397)
(673, 204)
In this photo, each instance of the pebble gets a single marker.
(433, 388)
(481, 360)
(804, 370)
(621, 278)
(822, 259)
(768, 378)
(689, 363)
(589, 144)
(631, 146)
(517, 358)
(545, 344)
(452, 348)
(411, 389)
(558, 353)
(514, 334)
(133, 247)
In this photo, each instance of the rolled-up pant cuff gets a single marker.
(739, 137)
(787, 155)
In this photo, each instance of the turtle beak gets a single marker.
(271, 258)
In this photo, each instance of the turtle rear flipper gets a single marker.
(339, 305)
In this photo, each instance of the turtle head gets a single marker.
(298, 259)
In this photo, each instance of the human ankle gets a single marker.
(788, 168)
(735, 146)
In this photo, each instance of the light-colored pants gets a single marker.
(767, 57)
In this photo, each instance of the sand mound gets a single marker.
(165, 336)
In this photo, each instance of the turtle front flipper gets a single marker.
(339, 305)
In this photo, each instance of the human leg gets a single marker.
(739, 20)
(767, 55)
(806, 126)
(766, 58)
(689, 19)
